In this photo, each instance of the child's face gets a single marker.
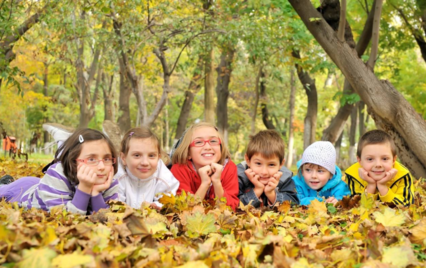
(264, 167)
(377, 159)
(142, 157)
(207, 154)
(97, 150)
(315, 176)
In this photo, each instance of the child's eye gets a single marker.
(107, 160)
(385, 159)
(91, 160)
(214, 141)
(153, 155)
(137, 155)
(369, 159)
(272, 165)
(198, 142)
(257, 163)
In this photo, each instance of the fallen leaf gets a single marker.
(389, 217)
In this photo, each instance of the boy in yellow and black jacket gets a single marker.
(377, 171)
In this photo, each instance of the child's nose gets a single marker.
(144, 160)
(101, 165)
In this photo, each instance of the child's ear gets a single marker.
(394, 159)
(282, 163)
(123, 158)
(358, 159)
(246, 159)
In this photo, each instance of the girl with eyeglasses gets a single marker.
(203, 166)
(81, 177)
(145, 177)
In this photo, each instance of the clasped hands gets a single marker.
(210, 173)
(89, 182)
(264, 185)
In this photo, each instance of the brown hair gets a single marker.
(268, 143)
(376, 136)
(69, 151)
(142, 133)
(180, 156)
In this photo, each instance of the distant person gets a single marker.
(377, 171)
(81, 177)
(263, 179)
(318, 176)
(144, 176)
(203, 166)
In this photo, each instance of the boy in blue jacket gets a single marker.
(318, 176)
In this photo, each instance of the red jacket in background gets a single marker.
(190, 181)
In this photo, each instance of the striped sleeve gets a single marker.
(355, 186)
(401, 192)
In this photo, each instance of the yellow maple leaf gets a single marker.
(194, 264)
(37, 257)
(199, 224)
(72, 260)
(398, 256)
(317, 206)
(389, 217)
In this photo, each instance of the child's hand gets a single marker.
(253, 178)
(205, 173)
(97, 188)
(273, 182)
(86, 178)
(389, 175)
(154, 206)
(332, 200)
(216, 172)
(363, 174)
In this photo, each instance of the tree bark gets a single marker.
(332, 132)
(310, 122)
(352, 135)
(224, 71)
(193, 88)
(289, 161)
(108, 92)
(209, 91)
(124, 99)
(381, 98)
(256, 101)
(361, 128)
(375, 35)
(263, 102)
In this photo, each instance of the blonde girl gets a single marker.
(203, 166)
(145, 176)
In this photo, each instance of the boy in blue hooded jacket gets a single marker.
(318, 176)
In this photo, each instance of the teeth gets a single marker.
(208, 155)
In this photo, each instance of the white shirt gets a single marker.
(134, 191)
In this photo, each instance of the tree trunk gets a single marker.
(46, 94)
(107, 89)
(193, 88)
(361, 128)
(124, 99)
(338, 147)
(209, 105)
(83, 86)
(256, 101)
(332, 132)
(263, 102)
(310, 122)
(352, 135)
(381, 98)
(289, 161)
(224, 71)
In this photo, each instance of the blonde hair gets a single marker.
(142, 133)
(181, 154)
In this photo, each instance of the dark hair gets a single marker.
(69, 151)
(268, 143)
(142, 133)
(376, 136)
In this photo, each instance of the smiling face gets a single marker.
(315, 176)
(207, 154)
(142, 157)
(97, 149)
(377, 159)
(264, 167)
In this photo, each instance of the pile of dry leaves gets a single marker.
(359, 232)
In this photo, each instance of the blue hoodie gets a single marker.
(335, 187)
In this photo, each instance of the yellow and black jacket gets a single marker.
(401, 187)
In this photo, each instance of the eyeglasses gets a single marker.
(201, 143)
(95, 162)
